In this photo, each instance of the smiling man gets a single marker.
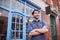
(37, 28)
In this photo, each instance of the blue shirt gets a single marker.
(36, 25)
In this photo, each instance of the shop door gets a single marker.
(53, 27)
(16, 26)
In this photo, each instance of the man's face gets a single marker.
(36, 14)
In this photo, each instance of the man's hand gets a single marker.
(42, 30)
(45, 29)
(38, 31)
(34, 32)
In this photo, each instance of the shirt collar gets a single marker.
(36, 20)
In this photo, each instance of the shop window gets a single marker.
(22, 8)
(31, 10)
(17, 27)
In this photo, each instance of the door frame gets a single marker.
(10, 24)
(54, 24)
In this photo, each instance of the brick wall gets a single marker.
(46, 18)
(48, 1)
(57, 28)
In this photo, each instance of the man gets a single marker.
(37, 28)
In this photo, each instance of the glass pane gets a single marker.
(18, 6)
(13, 26)
(22, 8)
(12, 35)
(31, 10)
(14, 18)
(21, 35)
(21, 19)
(21, 27)
(18, 21)
(7, 3)
(17, 26)
(14, 4)
(18, 16)
(17, 35)
(27, 10)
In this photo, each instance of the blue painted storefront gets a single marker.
(20, 14)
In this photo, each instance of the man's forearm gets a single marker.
(42, 30)
(45, 29)
(38, 31)
(34, 33)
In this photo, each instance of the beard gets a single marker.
(36, 17)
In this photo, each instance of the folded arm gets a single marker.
(43, 30)
(38, 31)
(34, 32)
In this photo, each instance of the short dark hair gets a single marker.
(34, 11)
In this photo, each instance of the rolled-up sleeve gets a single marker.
(29, 27)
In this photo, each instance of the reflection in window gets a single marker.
(22, 8)
(21, 35)
(17, 20)
(6, 3)
(27, 10)
(31, 10)
(21, 27)
(16, 35)
(13, 26)
(17, 26)
(14, 5)
(13, 19)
